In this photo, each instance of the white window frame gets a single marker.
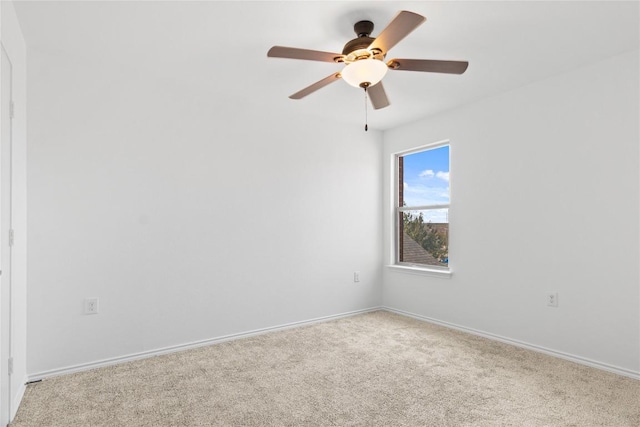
(407, 267)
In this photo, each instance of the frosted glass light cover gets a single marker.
(364, 71)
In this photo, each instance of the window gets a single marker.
(422, 208)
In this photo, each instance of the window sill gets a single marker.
(445, 274)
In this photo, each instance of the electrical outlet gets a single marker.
(552, 299)
(356, 276)
(91, 306)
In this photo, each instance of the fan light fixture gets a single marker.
(364, 59)
(364, 73)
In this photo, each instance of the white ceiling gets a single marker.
(218, 49)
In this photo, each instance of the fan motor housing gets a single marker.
(357, 44)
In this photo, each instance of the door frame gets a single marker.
(6, 312)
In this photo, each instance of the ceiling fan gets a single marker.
(364, 57)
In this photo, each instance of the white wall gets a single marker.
(13, 42)
(545, 198)
(189, 217)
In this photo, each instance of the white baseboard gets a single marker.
(573, 358)
(180, 347)
(172, 349)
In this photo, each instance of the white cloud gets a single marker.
(443, 176)
(427, 174)
(417, 195)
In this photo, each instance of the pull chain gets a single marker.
(366, 126)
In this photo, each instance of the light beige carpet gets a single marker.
(375, 369)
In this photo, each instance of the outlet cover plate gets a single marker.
(91, 306)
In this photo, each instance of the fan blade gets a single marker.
(310, 55)
(317, 85)
(429, 65)
(378, 96)
(399, 27)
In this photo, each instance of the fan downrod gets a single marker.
(363, 29)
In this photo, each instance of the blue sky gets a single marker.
(426, 180)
